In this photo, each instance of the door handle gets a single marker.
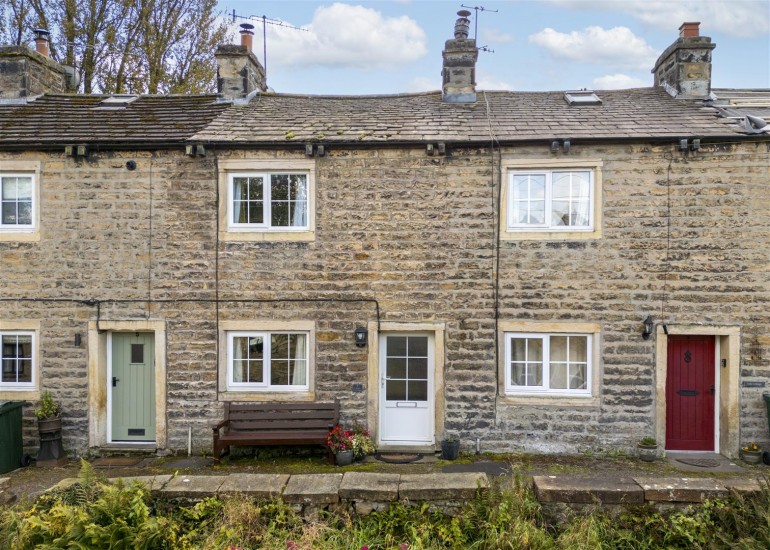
(711, 389)
(115, 381)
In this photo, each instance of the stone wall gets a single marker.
(684, 239)
(25, 73)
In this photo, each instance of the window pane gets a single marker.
(518, 349)
(534, 349)
(279, 187)
(25, 213)
(256, 372)
(559, 376)
(256, 347)
(518, 374)
(418, 346)
(298, 372)
(578, 377)
(298, 187)
(418, 368)
(10, 189)
(24, 188)
(25, 370)
(9, 213)
(578, 348)
(279, 372)
(535, 374)
(418, 390)
(256, 189)
(395, 390)
(396, 346)
(558, 348)
(280, 214)
(395, 367)
(240, 189)
(137, 353)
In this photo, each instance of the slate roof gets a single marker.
(513, 116)
(60, 118)
(642, 113)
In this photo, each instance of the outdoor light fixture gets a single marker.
(554, 146)
(321, 150)
(78, 340)
(649, 324)
(567, 145)
(309, 149)
(361, 335)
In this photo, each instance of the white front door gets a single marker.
(406, 389)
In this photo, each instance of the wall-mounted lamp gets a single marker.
(554, 146)
(429, 149)
(695, 144)
(442, 148)
(361, 335)
(321, 150)
(567, 146)
(81, 150)
(683, 145)
(309, 149)
(78, 340)
(649, 324)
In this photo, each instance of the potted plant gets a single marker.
(361, 442)
(751, 453)
(48, 415)
(450, 448)
(340, 442)
(648, 449)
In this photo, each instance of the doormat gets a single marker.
(398, 458)
(700, 462)
(113, 461)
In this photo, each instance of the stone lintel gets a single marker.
(459, 486)
(254, 485)
(193, 486)
(313, 489)
(369, 486)
(571, 489)
(153, 483)
(680, 489)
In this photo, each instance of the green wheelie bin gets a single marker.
(11, 442)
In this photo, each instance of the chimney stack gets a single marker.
(239, 72)
(41, 42)
(459, 69)
(684, 68)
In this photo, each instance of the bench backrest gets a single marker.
(261, 417)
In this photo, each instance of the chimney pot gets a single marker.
(41, 42)
(689, 29)
(462, 25)
(246, 35)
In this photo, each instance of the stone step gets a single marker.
(577, 490)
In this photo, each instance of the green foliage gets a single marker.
(648, 442)
(93, 514)
(48, 407)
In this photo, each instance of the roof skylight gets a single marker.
(582, 97)
(118, 100)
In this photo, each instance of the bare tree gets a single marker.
(126, 46)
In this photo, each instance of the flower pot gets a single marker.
(648, 453)
(343, 458)
(51, 452)
(450, 449)
(49, 425)
(751, 457)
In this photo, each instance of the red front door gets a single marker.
(690, 393)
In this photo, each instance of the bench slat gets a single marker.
(282, 406)
(296, 415)
(286, 425)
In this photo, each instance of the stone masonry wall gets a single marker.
(417, 234)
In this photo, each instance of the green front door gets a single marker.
(133, 386)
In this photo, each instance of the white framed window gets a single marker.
(268, 201)
(550, 200)
(19, 360)
(268, 360)
(541, 363)
(18, 200)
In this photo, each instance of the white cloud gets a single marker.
(619, 82)
(616, 47)
(424, 84)
(744, 18)
(494, 36)
(488, 81)
(343, 35)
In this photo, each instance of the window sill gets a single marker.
(20, 236)
(553, 400)
(267, 236)
(524, 235)
(262, 395)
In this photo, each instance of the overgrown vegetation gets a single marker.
(93, 514)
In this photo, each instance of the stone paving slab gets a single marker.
(680, 489)
(460, 486)
(369, 486)
(4, 482)
(193, 486)
(313, 489)
(254, 485)
(153, 483)
(65, 483)
(742, 485)
(572, 489)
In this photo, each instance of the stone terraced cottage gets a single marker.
(469, 263)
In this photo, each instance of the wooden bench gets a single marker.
(248, 424)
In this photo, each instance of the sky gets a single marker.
(387, 47)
